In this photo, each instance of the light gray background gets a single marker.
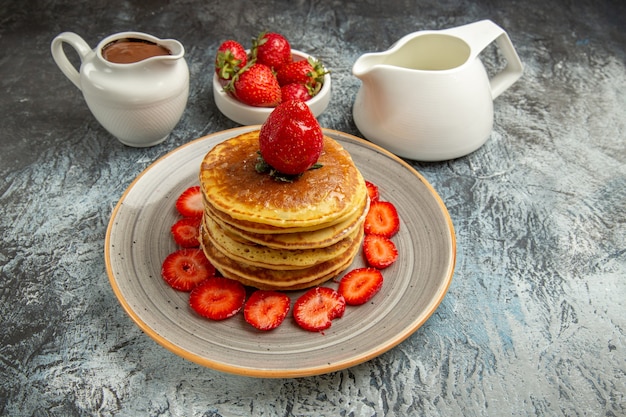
(534, 321)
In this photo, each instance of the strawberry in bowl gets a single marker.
(249, 96)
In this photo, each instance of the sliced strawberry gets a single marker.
(186, 268)
(186, 231)
(360, 285)
(380, 252)
(382, 219)
(218, 298)
(266, 310)
(372, 190)
(189, 203)
(316, 308)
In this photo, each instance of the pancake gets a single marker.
(265, 278)
(325, 196)
(259, 228)
(253, 254)
(278, 235)
(307, 239)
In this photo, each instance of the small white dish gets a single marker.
(250, 115)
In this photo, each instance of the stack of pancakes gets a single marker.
(280, 235)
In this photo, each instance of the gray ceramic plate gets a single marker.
(138, 239)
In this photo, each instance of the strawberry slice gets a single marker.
(186, 231)
(186, 268)
(379, 251)
(189, 203)
(218, 298)
(316, 308)
(266, 310)
(382, 219)
(372, 191)
(360, 285)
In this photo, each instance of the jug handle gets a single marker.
(481, 34)
(81, 47)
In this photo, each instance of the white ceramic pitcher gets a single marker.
(139, 102)
(429, 97)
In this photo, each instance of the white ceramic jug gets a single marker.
(141, 102)
(429, 97)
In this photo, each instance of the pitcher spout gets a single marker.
(366, 62)
(177, 50)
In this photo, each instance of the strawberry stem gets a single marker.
(230, 86)
(262, 167)
(256, 42)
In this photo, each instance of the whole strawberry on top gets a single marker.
(271, 49)
(231, 57)
(291, 139)
(255, 85)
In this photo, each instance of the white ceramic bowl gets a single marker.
(250, 115)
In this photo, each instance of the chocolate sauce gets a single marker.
(129, 50)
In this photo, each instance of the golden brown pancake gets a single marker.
(307, 239)
(231, 185)
(280, 235)
(253, 254)
(260, 228)
(265, 278)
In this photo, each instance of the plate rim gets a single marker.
(282, 373)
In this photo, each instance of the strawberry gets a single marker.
(382, 219)
(186, 268)
(372, 191)
(255, 85)
(266, 310)
(309, 72)
(218, 298)
(360, 285)
(379, 251)
(291, 139)
(271, 49)
(189, 203)
(230, 58)
(185, 232)
(316, 308)
(295, 91)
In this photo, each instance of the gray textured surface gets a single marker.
(534, 321)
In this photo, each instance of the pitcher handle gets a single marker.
(81, 47)
(481, 34)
